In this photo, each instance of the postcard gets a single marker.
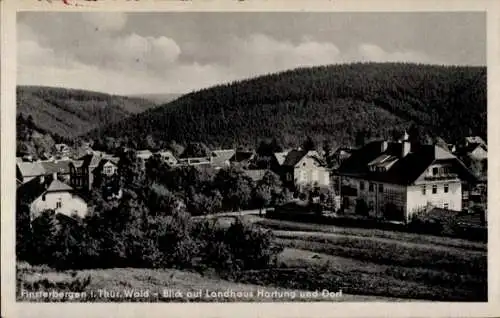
(249, 158)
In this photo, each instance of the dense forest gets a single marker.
(335, 103)
(71, 112)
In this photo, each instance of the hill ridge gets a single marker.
(328, 102)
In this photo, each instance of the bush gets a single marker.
(240, 246)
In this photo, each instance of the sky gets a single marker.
(166, 52)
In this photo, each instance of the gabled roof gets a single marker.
(31, 169)
(59, 166)
(255, 175)
(57, 185)
(34, 188)
(91, 160)
(280, 157)
(241, 156)
(398, 170)
(295, 156)
(219, 157)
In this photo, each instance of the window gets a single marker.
(434, 171)
(446, 187)
(371, 187)
(380, 188)
(58, 204)
(445, 206)
(289, 176)
(423, 190)
(362, 185)
(434, 189)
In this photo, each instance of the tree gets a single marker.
(262, 197)
(195, 149)
(235, 187)
(309, 144)
(327, 149)
(23, 231)
(44, 238)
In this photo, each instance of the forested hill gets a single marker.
(71, 112)
(330, 102)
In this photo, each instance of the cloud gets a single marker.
(260, 53)
(106, 21)
(130, 63)
(371, 52)
(154, 53)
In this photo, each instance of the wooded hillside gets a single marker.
(71, 112)
(333, 103)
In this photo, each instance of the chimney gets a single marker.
(383, 146)
(54, 176)
(405, 148)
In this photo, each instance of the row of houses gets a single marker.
(395, 179)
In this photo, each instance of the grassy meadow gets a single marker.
(364, 264)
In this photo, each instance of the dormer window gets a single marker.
(434, 171)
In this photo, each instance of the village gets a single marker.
(391, 181)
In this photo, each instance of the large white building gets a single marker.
(395, 180)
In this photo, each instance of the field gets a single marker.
(365, 264)
(164, 285)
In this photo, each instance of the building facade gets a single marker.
(396, 180)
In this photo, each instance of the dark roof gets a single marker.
(293, 157)
(399, 170)
(470, 148)
(241, 156)
(91, 160)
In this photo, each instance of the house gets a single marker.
(60, 167)
(168, 157)
(26, 171)
(301, 168)
(107, 168)
(221, 158)
(198, 161)
(474, 140)
(242, 158)
(143, 156)
(62, 149)
(82, 171)
(475, 151)
(395, 180)
(340, 155)
(48, 193)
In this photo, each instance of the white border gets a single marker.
(421, 309)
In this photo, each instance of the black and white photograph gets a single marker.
(174, 157)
